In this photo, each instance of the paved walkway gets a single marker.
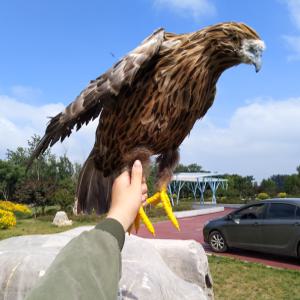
(191, 228)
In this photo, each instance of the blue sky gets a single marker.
(51, 49)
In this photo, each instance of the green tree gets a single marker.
(49, 180)
(292, 185)
(19, 157)
(298, 170)
(189, 168)
(64, 195)
(38, 184)
(65, 168)
(239, 188)
(269, 186)
(10, 174)
(279, 181)
(36, 192)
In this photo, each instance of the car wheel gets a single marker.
(217, 242)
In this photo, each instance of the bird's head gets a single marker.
(236, 43)
(250, 46)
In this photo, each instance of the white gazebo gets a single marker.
(196, 182)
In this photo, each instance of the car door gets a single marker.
(244, 228)
(279, 228)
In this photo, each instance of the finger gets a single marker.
(144, 179)
(136, 174)
(144, 188)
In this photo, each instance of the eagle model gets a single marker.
(148, 102)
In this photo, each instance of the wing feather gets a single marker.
(101, 92)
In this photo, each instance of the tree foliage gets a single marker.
(50, 180)
(241, 188)
(10, 175)
(188, 169)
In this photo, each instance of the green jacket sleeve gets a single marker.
(88, 267)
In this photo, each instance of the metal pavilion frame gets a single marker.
(196, 182)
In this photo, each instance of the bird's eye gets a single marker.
(252, 49)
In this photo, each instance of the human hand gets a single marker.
(128, 194)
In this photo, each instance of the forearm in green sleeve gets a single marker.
(114, 228)
(88, 267)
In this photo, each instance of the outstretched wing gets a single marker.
(100, 92)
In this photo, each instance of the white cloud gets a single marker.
(262, 139)
(294, 9)
(196, 8)
(294, 41)
(26, 93)
(20, 121)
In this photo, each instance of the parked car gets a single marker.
(271, 226)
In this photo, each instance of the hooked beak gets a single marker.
(257, 62)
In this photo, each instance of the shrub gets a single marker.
(14, 207)
(223, 199)
(281, 195)
(263, 196)
(7, 219)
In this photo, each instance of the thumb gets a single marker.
(123, 179)
(136, 174)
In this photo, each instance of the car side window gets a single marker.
(251, 212)
(281, 211)
(298, 213)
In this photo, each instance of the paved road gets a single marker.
(191, 228)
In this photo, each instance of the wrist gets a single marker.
(120, 218)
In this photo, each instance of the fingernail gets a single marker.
(137, 164)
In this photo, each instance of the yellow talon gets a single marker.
(155, 199)
(146, 221)
(168, 209)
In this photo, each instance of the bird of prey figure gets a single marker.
(148, 102)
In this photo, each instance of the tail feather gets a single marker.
(93, 189)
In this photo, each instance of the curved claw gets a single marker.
(168, 209)
(146, 221)
(156, 198)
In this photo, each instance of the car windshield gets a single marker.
(251, 212)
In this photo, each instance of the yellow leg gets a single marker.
(160, 196)
(154, 199)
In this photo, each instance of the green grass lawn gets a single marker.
(43, 225)
(234, 279)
